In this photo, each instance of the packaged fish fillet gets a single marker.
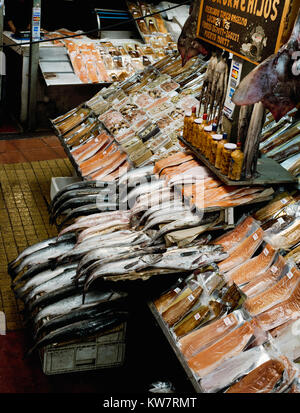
(285, 238)
(166, 299)
(287, 341)
(273, 208)
(192, 320)
(233, 369)
(294, 254)
(198, 340)
(284, 152)
(210, 278)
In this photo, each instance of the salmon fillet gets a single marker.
(242, 252)
(266, 279)
(118, 172)
(176, 311)
(92, 71)
(281, 312)
(231, 239)
(173, 160)
(263, 379)
(229, 346)
(108, 160)
(95, 162)
(276, 332)
(197, 340)
(276, 294)
(172, 171)
(99, 143)
(252, 268)
(110, 168)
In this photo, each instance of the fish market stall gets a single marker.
(168, 195)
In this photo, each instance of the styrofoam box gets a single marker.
(104, 351)
(59, 183)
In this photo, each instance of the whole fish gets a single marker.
(42, 277)
(88, 210)
(142, 189)
(61, 280)
(82, 329)
(51, 252)
(76, 203)
(106, 215)
(276, 81)
(84, 312)
(32, 272)
(81, 185)
(164, 196)
(165, 205)
(136, 174)
(188, 220)
(79, 193)
(38, 246)
(70, 303)
(166, 216)
(89, 232)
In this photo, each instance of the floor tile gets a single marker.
(41, 154)
(30, 143)
(7, 146)
(51, 141)
(12, 157)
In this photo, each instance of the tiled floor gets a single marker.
(31, 149)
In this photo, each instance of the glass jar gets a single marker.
(221, 143)
(226, 157)
(213, 151)
(236, 164)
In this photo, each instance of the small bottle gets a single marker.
(219, 151)
(201, 137)
(186, 120)
(190, 124)
(213, 130)
(236, 164)
(226, 157)
(213, 152)
(197, 128)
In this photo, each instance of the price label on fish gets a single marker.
(177, 290)
(280, 221)
(251, 30)
(290, 275)
(274, 269)
(284, 201)
(227, 321)
(266, 252)
(197, 316)
(255, 236)
(191, 298)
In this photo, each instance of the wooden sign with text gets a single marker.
(250, 29)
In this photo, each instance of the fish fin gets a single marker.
(130, 265)
(152, 259)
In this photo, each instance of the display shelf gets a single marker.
(71, 159)
(175, 348)
(268, 171)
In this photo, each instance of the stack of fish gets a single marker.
(53, 301)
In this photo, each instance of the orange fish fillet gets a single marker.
(173, 160)
(197, 340)
(282, 312)
(109, 168)
(93, 148)
(89, 165)
(276, 294)
(266, 279)
(229, 346)
(108, 160)
(118, 172)
(252, 268)
(242, 252)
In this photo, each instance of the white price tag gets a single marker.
(266, 252)
(290, 275)
(274, 269)
(197, 316)
(177, 290)
(191, 298)
(255, 236)
(280, 220)
(82, 115)
(227, 321)
(96, 140)
(284, 201)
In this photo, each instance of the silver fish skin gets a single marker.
(74, 203)
(160, 198)
(68, 304)
(43, 277)
(76, 194)
(188, 220)
(165, 216)
(136, 174)
(88, 210)
(61, 280)
(87, 233)
(38, 246)
(31, 272)
(197, 172)
(94, 219)
(46, 254)
(142, 189)
(165, 205)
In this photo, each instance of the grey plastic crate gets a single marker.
(104, 351)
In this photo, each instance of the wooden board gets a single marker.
(268, 171)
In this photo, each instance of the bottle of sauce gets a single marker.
(201, 136)
(207, 140)
(190, 124)
(236, 164)
(213, 150)
(219, 150)
(197, 129)
(226, 157)
(186, 121)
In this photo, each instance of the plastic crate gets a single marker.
(103, 351)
